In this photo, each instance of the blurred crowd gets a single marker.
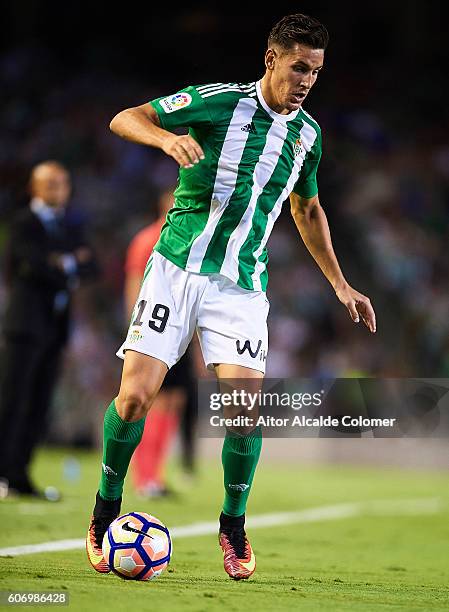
(384, 184)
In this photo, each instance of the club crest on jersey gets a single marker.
(298, 149)
(175, 102)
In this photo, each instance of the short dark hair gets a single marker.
(299, 28)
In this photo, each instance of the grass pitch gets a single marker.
(385, 561)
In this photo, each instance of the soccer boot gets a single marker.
(104, 513)
(239, 558)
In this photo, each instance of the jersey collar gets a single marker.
(273, 114)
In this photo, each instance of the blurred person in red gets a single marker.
(175, 403)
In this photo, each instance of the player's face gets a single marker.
(293, 73)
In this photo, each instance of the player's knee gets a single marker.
(134, 404)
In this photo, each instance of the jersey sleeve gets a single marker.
(186, 108)
(306, 186)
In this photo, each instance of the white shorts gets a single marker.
(231, 322)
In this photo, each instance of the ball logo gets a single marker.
(175, 102)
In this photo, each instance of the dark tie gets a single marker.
(54, 227)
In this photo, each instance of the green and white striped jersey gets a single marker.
(226, 205)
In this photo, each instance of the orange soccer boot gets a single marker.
(239, 558)
(104, 513)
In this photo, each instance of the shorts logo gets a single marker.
(175, 102)
(298, 149)
(135, 336)
(247, 347)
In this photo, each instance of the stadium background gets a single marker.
(65, 70)
(384, 177)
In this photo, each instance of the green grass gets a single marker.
(363, 563)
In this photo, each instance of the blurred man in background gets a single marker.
(45, 260)
(176, 399)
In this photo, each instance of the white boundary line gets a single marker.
(391, 507)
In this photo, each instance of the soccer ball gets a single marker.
(137, 546)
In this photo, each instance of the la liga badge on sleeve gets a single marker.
(175, 102)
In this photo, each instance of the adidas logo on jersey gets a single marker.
(249, 127)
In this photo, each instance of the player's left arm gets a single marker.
(311, 221)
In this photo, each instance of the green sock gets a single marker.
(120, 440)
(239, 457)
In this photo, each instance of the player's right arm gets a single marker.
(141, 125)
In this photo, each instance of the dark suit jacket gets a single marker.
(39, 298)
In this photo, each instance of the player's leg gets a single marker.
(124, 421)
(161, 328)
(149, 460)
(242, 445)
(125, 418)
(240, 455)
(233, 335)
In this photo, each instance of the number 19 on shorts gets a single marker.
(158, 318)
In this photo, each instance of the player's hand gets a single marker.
(184, 149)
(358, 306)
